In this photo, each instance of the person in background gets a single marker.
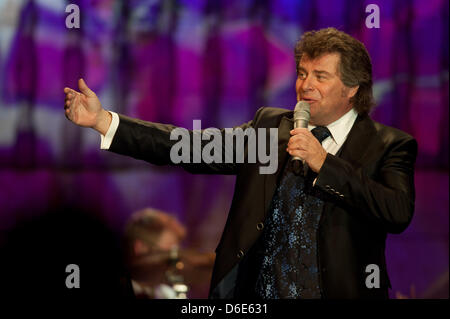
(150, 237)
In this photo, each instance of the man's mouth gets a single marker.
(308, 100)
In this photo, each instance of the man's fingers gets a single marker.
(296, 145)
(70, 96)
(69, 90)
(297, 137)
(84, 88)
(68, 99)
(67, 113)
(299, 130)
(299, 153)
(298, 140)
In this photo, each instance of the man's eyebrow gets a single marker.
(322, 72)
(300, 68)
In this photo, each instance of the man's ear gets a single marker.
(352, 91)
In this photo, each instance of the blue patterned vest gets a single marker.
(287, 252)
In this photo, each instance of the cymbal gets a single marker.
(191, 266)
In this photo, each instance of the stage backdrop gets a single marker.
(217, 61)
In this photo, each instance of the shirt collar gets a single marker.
(340, 128)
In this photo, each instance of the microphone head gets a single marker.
(302, 111)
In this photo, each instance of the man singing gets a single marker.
(290, 235)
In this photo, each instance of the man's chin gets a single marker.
(315, 121)
(313, 118)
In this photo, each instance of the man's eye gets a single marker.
(302, 75)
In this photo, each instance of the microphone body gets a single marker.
(301, 119)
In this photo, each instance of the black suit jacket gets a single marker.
(370, 182)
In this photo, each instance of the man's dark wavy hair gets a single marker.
(355, 67)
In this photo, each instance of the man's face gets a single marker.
(167, 240)
(319, 84)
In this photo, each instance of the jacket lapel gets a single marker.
(356, 149)
(359, 141)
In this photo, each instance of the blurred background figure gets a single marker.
(159, 268)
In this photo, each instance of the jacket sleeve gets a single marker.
(387, 201)
(152, 142)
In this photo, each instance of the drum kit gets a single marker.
(180, 269)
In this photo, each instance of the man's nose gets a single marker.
(307, 84)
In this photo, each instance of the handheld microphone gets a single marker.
(301, 119)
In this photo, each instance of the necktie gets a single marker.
(321, 133)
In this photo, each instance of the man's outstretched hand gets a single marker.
(84, 108)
